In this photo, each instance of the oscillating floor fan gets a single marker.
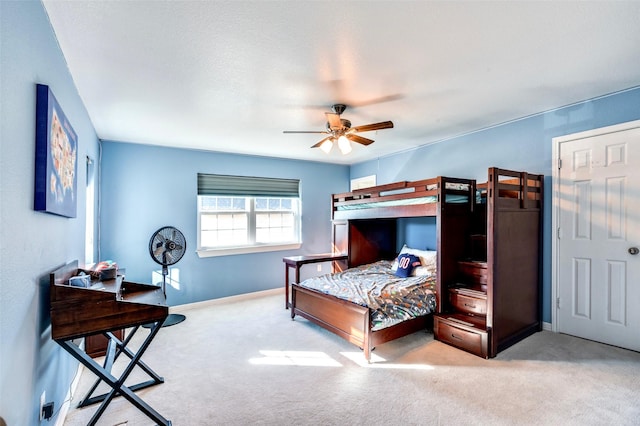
(166, 247)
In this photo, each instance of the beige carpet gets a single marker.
(243, 361)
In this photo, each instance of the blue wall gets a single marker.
(524, 144)
(33, 243)
(418, 232)
(147, 187)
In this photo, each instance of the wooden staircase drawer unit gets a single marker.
(468, 304)
(475, 341)
(475, 272)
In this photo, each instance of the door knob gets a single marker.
(633, 250)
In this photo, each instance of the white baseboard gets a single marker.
(221, 300)
(62, 415)
(546, 326)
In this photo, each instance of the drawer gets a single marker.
(474, 272)
(474, 341)
(468, 304)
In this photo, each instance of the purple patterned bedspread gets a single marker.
(392, 299)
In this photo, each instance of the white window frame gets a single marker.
(252, 247)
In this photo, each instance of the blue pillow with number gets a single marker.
(406, 264)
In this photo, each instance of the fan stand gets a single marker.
(171, 319)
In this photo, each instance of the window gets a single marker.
(238, 214)
(89, 256)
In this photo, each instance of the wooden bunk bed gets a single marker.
(364, 229)
(496, 298)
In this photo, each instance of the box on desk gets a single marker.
(82, 280)
(102, 271)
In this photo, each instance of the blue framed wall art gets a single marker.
(56, 164)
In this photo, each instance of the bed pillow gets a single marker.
(422, 271)
(406, 264)
(428, 259)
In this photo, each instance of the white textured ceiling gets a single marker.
(230, 76)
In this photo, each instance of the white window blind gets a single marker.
(243, 214)
(247, 186)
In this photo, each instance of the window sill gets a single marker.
(246, 250)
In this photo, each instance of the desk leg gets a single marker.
(109, 359)
(117, 384)
(286, 282)
(123, 349)
(115, 348)
(286, 286)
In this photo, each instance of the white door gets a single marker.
(598, 217)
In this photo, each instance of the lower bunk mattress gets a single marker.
(390, 298)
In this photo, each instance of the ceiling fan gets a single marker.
(339, 130)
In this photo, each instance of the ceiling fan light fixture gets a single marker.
(326, 146)
(344, 144)
(339, 130)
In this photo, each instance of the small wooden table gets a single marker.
(297, 261)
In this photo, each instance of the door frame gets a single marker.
(555, 205)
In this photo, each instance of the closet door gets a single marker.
(598, 260)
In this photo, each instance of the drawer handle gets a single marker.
(456, 337)
(469, 305)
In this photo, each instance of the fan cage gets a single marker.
(167, 245)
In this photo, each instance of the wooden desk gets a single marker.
(96, 345)
(103, 308)
(297, 261)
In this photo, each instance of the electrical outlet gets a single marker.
(47, 410)
(319, 268)
(43, 399)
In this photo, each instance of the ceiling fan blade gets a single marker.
(305, 131)
(321, 142)
(359, 139)
(374, 126)
(334, 120)
(381, 99)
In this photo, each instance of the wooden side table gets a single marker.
(297, 261)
